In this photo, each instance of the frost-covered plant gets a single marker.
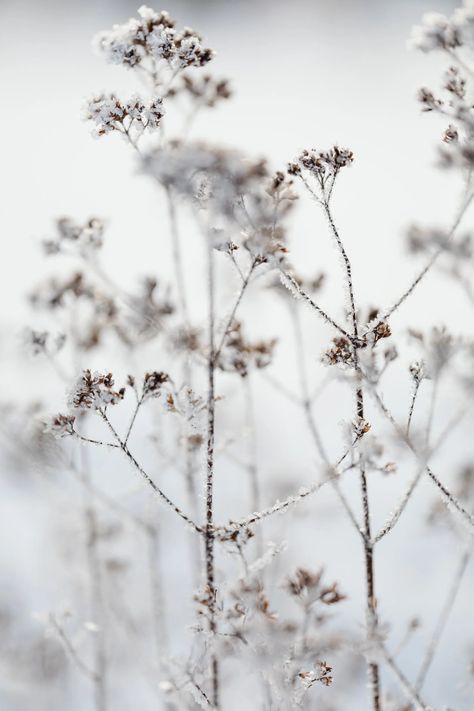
(253, 609)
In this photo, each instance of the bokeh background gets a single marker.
(305, 73)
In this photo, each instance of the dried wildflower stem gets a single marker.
(133, 419)
(233, 312)
(372, 619)
(293, 286)
(95, 584)
(252, 465)
(71, 650)
(177, 256)
(412, 405)
(309, 416)
(281, 506)
(98, 442)
(455, 56)
(146, 477)
(431, 412)
(433, 259)
(394, 517)
(450, 499)
(443, 617)
(347, 267)
(156, 594)
(410, 691)
(209, 532)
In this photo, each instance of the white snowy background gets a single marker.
(306, 73)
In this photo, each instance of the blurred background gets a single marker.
(305, 73)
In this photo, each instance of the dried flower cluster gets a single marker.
(94, 391)
(132, 118)
(250, 603)
(152, 37)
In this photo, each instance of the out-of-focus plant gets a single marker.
(241, 211)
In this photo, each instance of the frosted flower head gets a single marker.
(321, 674)
(239, 355)
(203, 90)
(38, 342)
(435, 32)
(94, 391)
(322, 163)
(59, 425)
(86, 236)
(153, 384)
(151, 306)
(214, 177)
(108, 113)
(463, 20)
(152, 38)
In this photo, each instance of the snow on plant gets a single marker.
(249, 615)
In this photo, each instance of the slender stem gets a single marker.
(95, 584)
(432, 260)
(412, 693)
(372, 619)
(412, 405)
(347, 267)
(209, 532)
(443, 617)
(134, 417)
(252, 465)
(450, 499)
(236, 305)
(308, 413)
(293, 286)
(147, 478)
(177, 257)
(156, 594)
(280, 506)
(71, 650)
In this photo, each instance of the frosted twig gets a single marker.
(147, 478)
(443, 617)
(293, 286)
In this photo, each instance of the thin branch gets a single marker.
(71, 650)
(410, 691)
(209, 532)
(177, 256)
(280, 506)
(443, 617)
(451, 500)
(147, 478)
(233, 312)
(432, 260)
(292, 285)
(412, 405)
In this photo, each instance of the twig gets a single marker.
(147, 478)
(443, 617)
(209, 529)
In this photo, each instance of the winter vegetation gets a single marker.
(187, 560)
